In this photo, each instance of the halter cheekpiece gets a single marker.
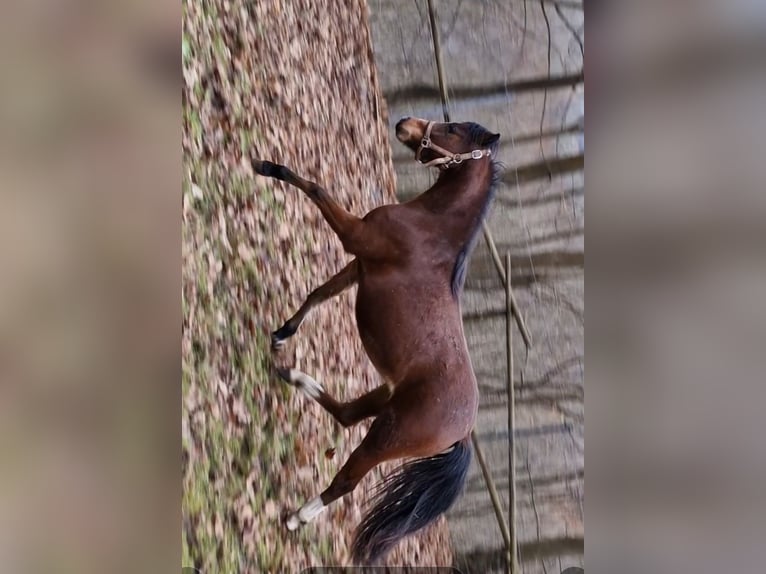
(448, 158)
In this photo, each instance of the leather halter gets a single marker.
(448, 158)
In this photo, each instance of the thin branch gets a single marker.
(540, 170)
(534, 504)
(501, 272)
(491, 488)
(545, 91)
(553, 132)
(439, 64)
(513, 547)
(425, 91)
(575, 394)
(524, 36)
(540, 200)
(570, 27)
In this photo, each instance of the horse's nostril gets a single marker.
(401, 121)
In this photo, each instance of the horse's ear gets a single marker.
(491, 139)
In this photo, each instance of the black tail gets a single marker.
(409, 499)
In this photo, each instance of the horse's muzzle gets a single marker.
(400, 125)
(409, 130)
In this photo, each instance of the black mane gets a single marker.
(477, 133)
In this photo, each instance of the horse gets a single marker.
(409, 263)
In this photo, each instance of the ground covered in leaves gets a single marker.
(293, 82)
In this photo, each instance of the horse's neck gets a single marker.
(461, 194)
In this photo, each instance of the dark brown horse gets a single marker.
(410, 262)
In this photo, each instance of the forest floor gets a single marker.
(293, 82)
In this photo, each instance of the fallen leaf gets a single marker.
(270, 510)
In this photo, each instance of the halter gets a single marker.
(448, 158)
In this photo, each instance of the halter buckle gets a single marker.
(425, 143)
(477, 154)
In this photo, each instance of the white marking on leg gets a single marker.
(307, 513)
(306, 383)
(293, 522)
(311, 509)
(277, 343)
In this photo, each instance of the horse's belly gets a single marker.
(385, 330)
(379, 342)
(403, 325)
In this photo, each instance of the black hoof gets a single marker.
(276, 342)
(280, 336)
(284, 374)
(262, 167)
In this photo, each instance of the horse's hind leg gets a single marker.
(348, 413)
(335, 286)
(370, 453)
(356, 236)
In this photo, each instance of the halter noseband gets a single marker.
(448, 158)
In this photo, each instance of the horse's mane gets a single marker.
(477, 134)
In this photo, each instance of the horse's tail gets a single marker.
(410, 499)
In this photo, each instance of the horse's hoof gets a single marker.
(264, 168)
(285, 375)
(257, 166)
(293, 522)
(280, 336)
(277, 342)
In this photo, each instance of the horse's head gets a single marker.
(446, 144)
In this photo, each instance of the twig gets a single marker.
(491, 488)
(553, 132)
(533, 171)
(524, 34)
(565, 4)
(534, 505)
(425, 91)
(514, 565)
(571, 28)
(501, 272)
(438, 55)
(545, 90)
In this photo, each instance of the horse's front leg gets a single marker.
(341, 281)
(357, 237)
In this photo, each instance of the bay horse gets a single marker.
(410, 264)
